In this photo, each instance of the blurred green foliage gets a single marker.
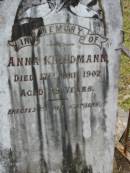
(124, 83)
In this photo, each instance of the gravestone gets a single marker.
(59, 80)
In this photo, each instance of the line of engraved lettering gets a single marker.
(21, 110)
(30, 110)
(85, 105)
(61, 76)
(62, 28)
(56, 91)
(66, 59)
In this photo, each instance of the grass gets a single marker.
(124, 83)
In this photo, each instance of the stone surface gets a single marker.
(59, 77)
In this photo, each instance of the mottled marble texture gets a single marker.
(68, 124)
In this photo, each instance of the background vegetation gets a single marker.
(124, 84)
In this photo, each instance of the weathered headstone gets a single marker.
(59, 78)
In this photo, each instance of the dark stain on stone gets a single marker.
(93, 121)
(13, 160)
(105, 80)
(92, 3)
(104, 18)
(43, 164)
(105, 88)
(105, 84)
(73, 163)
(10, 89)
